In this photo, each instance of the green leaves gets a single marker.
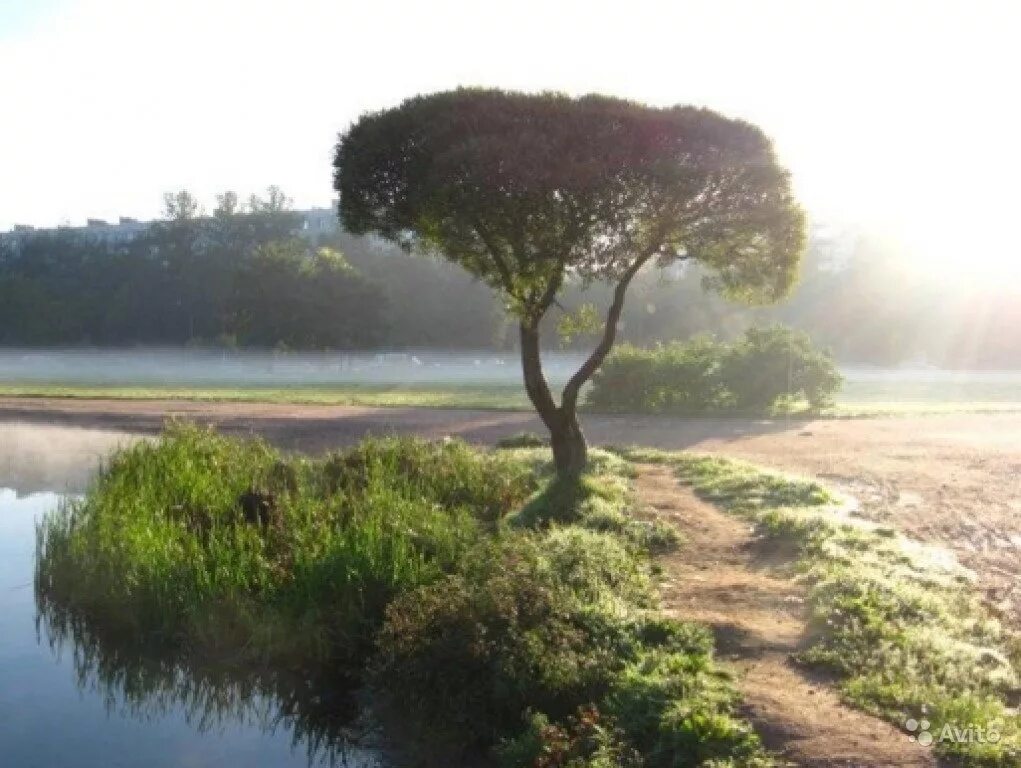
(768, 370)
(582, 321)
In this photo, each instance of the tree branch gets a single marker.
(569, 400)
(501, 265)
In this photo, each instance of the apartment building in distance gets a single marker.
(314, 222)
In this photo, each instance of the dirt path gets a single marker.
(721, 577)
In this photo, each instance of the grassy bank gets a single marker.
(514, 614)
(897, 623)
(482, 396)
(860, 400)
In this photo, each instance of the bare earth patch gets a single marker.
(723, 577)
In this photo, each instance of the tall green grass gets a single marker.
(160, 547)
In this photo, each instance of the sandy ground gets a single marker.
(953, 480)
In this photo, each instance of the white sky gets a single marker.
(899, 113)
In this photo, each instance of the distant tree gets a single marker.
(307, 298)
(274, 202)
(180, 206)
(526, 191)
(418, 290)
(227, 205)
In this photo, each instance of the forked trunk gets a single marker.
(570, 451)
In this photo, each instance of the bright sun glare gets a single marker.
(892, 114)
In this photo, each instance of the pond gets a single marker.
(70, 698)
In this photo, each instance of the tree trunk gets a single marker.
(570, 451)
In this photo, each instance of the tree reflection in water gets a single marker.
(324, 711)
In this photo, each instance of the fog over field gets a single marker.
(251, 369)
(256, 370)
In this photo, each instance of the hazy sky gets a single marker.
(897, 112)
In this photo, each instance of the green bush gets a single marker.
(777, 366)
(586, 740)
(473, 651)
(676, 378)
(523, 440)
(547, 623)
(764, 371)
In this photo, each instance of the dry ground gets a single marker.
(953, 479)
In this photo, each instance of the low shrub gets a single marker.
(765, 371)
(541, 623)
(586, 740)
(523, 440)
(669, 378)
(777, 367)
(555, 614)
(472, 652)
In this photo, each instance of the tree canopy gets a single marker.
(517, 188)
(242, 275)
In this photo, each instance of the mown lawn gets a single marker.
(482, 396)
(859, 399)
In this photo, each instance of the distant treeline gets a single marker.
(246, 278)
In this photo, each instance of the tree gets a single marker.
(274, 202)
(180, 206)
(227, 205)
(306, 298)
(529, 191)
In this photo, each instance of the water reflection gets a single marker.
(318, 713)
(40, 459)
(72, 695)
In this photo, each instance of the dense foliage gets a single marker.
(412, 567)
(234, 278)
(853, 298)
(764, 371)
(517, 188)
(166, 545)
